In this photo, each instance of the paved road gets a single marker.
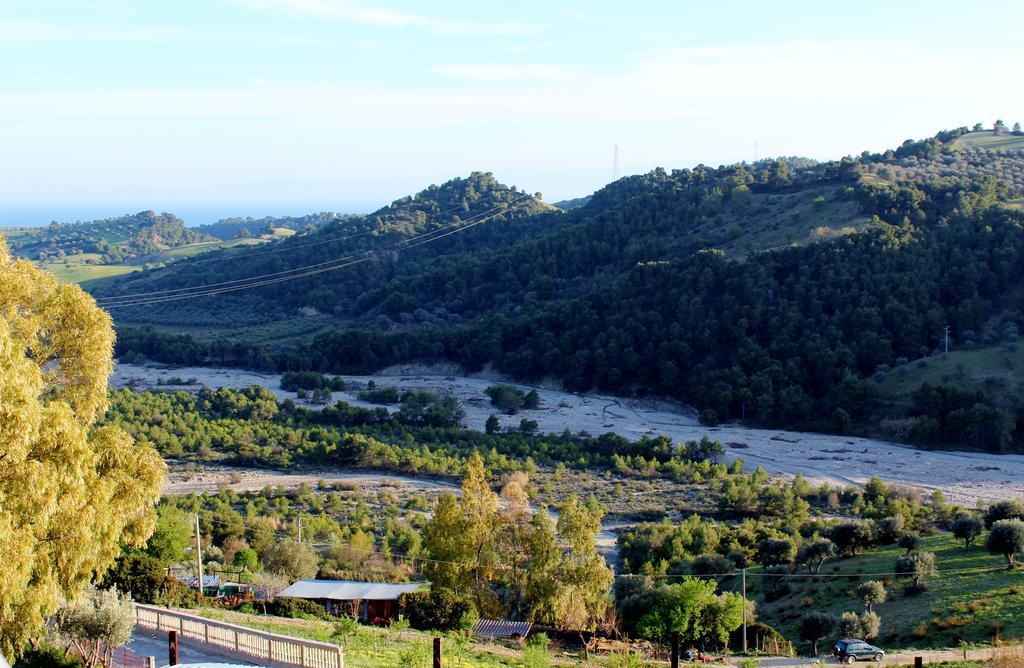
(146, 642)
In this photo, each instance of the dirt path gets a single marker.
(965, 477)
(900, 657)
(186, 479)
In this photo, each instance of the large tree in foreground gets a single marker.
(70, 493)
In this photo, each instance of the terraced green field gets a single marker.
(89, 275)
(985, 139)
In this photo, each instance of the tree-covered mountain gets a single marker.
(770, 293)
(451, 205)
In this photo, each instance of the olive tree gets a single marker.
(865, 625)
(917, 566)
(873, 592)
(1007, 538)
(96, 625)
(815, 553)
(967, 528)
(815, 626)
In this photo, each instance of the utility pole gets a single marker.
(744, 610)
(300, 529)
(199, 559)
(947, 339)
(615, 163)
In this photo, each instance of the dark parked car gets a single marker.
(849, 650)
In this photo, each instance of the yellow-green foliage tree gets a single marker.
(70, 492)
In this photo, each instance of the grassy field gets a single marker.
(976, 607)
(196, 249)
(996, 368)
(777, 220)
(88, 275)
(985, 139)
(371, 647)
(87, 270)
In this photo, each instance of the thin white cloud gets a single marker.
(354, 12)
(14, 31)
(500, 72)
(792, 79)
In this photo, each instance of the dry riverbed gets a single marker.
(966, 478)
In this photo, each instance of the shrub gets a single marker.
(437, 610)
(299, 608)
(852, 537)
(711, 564)
(889, 529)
(909, 541)
(1003, 510)
(46, 655)
(775, 551)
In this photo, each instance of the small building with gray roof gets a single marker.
(371, 602)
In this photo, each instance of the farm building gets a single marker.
(373, 602)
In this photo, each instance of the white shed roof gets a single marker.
(348, 590)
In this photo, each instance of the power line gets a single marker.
(468, 222)
(158, 296)
(285, 247)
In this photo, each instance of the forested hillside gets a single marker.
(770, 293)
(244, 228)
(113, 239)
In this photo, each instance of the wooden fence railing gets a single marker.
(272, 647)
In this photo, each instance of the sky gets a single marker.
(301, 105)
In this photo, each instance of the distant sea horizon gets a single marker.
(41, 214)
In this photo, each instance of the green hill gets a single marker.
(93, 253)
(770, 293)
(249, 227)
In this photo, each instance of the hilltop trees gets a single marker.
(71, 493)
